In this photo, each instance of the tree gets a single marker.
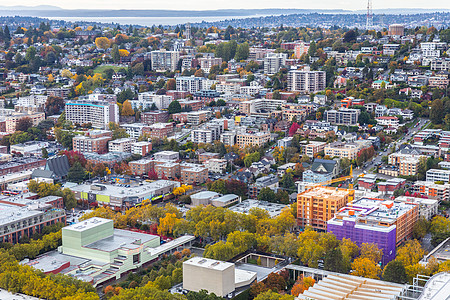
(199, 73)
(102, 43)
(266, 194)
(118, 133)
(76, 173)
(302, 284)
(127, 110)
(395, 272)
(115, 53)
(54, 105)
(23, 124)
(271, 295)
(44, 153)
(334, 261)
(410, 253)
(174, 107)
(167, 224)
(242, 52)
(69, 198)
(365, 267)
(437, 112)
(287, 182)
(171, 84)
(371, 251)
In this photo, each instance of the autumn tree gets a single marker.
(371, 251)
(102, 42)
(167, 224)
(127, 110)
(54, 105)
(24, 124)
(365, 267)
(410, 253)
(301, 285)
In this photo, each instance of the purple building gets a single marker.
(370, 221)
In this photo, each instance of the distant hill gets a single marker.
(23, 7)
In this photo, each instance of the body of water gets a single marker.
(144, 21)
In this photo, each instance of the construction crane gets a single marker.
(343, 178)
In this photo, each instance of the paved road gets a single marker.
(404, 139)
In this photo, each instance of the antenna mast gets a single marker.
(369, 18)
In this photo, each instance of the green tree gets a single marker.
(69, 198)
(437, 112)
(395, 272)
(44, 153)
(334, 261)
(115, 53)
(76, 173)
(242, 52)
(174, 107)
(287, 182)
(266, 194)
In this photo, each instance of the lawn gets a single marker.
(102, 68)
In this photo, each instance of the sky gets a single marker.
(236, 4)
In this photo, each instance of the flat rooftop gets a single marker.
(274, 209)
(117, 190)
(122, 239)
(325, 192)
(11, 213)
(209, 263)
(88, 224)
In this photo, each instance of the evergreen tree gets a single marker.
(174, 107)
(115, 53)
(7, 34)
(334, 261)
(76, 173)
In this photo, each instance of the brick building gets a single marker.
(94, 141)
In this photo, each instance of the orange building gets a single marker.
(318, 205)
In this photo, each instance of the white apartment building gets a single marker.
(167, 155)
(388, 121)
(98, 113)
(146, 100)
(228, 88)
(273, 62)
(216, 165)
(228, 138)
(134, 130)
(163, 60)
(434, 175)
(306, 81)
(121, 145)
(193, 84)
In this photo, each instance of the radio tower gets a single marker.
(369, 18)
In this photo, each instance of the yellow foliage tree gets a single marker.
(371, 251)
(167, 224)
(410, 253)
(50, 78)
(123, 52)
(365, 267)
(66, 73)
(102, 42)
(127, 110)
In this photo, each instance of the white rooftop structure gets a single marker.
(274, 209)
(437, 287)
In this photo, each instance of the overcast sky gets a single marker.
(220, 4)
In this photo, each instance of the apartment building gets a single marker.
(141, 166)
(216, 165)
(93, 141)
(388, 121)
(206, 63)
(198, 117)
(210, 133)
(390, 49)
(97, 113)
(306, 81)
(407, 163)
(428, 208)
(273, 62)
(159, 130)
(194, 175)
(385, 223)
(163, 60)
(432, 190)
(342, 150)
(343, 116)
(146, 101)
(228, 138)
(255, 138)
(19, 220)
(269, 181)
(168, 170)
(260, 105)
(193, 84)
(121, 145)
(440, 82)
(12, 120)
(135, 130)
(314, 148)
(315, 207)
(153, 117)
(192, 105)
(20, 164)
(141, 148)
(167, 155)
(434, 175)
